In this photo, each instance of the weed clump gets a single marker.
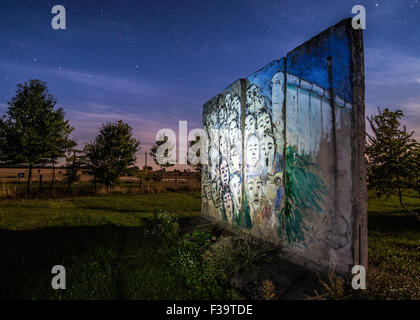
(163, 227)
(230, 256)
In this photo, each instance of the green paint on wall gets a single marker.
(304, 191)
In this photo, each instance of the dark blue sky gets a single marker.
(153, 63)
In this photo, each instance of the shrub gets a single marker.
(187, 262)
(229, 256)
(162, 227)
(334, 286)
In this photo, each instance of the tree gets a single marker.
(195, 166)
(73, 165)
(393, 156)
(33, 131)
(60, 145)
(154, 153)
(112, 153)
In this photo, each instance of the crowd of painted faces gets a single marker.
(222, 179)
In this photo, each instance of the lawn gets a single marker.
(101, 242)
(394, 248)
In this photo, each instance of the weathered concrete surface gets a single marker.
(286, 150)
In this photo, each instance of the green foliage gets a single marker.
(73, 165)
(101, 242)
(112, 153)
(158, 153)
(229, 256)
(163, 227)
(33, 132)
(196, 166)
(335, 286)
(187, 262)
(393, 156)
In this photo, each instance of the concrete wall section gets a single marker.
(222, 176)
(286, 152)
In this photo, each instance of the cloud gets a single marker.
(392, 81)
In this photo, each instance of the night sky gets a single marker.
(154, 63)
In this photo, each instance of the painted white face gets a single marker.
(208, 190)
(214, 137)
(267, 152)
(253, 99)
(222, 115)
(233, 116)
(236, 105)
(214, 171)
(254, 192)
(224, 172)
(214, 155)
(235, 162)
(227, 203)
(235, 188)
(249, 125)
(224, 147)
(264, 124)
(234, 135)
(215, 194)
(233, 126)
(270, 189)
(252, 151)
(213, 119)
(228, 101)
(277, 97)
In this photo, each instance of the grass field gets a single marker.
(100, 241)
(394, 248)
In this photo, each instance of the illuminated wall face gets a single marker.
(282, 160)
(223, 125)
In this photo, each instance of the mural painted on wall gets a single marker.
(222, 176)
(264, 143)
(265, 140)
(282, 186)
(285, 148)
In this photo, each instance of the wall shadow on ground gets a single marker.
(27, 257)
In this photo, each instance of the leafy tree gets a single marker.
(33, 131)
(196, 166)
(154, 152)
(58, 150)
(74, 162)
(393, 156)
(112, 153)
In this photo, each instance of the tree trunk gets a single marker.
(94, 185)
(52, 179)
(28, 186)
(40, 182)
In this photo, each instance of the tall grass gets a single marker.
(17, 191)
